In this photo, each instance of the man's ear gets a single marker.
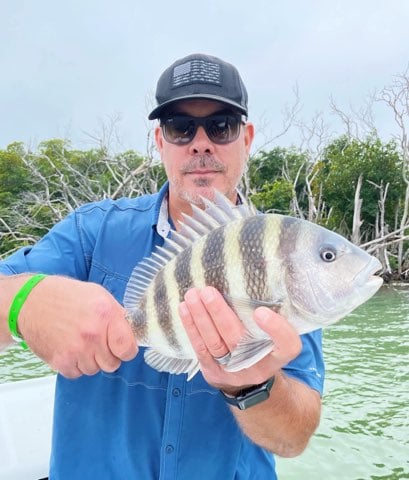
(248, 136)
(158, 138)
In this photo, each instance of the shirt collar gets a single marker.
(163, 226)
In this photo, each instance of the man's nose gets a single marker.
(201, 143)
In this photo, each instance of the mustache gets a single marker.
(206, 161)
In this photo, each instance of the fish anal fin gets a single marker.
(164, 363)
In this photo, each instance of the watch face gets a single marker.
(254, 399)
(251, 396)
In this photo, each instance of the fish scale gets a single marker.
(163, 313)
(183, 276)
(139, 322)
(254, 260)
(253, 257)
(213, 260)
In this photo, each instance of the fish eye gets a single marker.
(328, 255)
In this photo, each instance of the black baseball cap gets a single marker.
(200, 76)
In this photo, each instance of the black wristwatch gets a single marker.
(250, 396)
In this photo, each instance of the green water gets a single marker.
(364, 430)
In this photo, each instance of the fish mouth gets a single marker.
(365, 284)
(367, 277)
(374, 282)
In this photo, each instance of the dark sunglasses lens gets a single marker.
(223, 129)
(179, 129)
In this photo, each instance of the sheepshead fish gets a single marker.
(310, 275)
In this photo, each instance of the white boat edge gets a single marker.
(26, 412)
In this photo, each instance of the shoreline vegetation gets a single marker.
(355, 187)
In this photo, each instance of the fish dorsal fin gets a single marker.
(192, 227)
(224, 211)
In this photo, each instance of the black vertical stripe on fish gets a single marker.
(253, 257)
(289, 231)
(288, 236)
(183, 275)
(162, 303)
(139, 321)
(213, 261)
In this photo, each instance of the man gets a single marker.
(115, 417)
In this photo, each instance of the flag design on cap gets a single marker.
(196, 71)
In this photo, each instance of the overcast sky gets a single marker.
(67, 67)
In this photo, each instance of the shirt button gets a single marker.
(169, 449)
(176, 392)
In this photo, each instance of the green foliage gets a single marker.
(14, 177)
(266, 167)
(274, 197)
(343, 162)
(278, 176)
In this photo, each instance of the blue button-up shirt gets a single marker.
(137, 423)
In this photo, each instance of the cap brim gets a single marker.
(156, 112)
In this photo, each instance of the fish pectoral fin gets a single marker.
(248, 352)
(243, 306)
(164, 363)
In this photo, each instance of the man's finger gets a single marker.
(88, 365)
(205, 324)
(284, 335)
(228, 326)
(68, 368)
(202, 352)
(106, 361)
(121, 340)
(192, 330)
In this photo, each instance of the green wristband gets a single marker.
(17, 303)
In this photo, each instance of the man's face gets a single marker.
(196, 168)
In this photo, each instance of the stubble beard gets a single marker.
(203, 184)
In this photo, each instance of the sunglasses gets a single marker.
(221, 128)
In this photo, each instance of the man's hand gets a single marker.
(76, 327)
(284, 422)
(214, 330)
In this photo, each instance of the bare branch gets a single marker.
(289, 114)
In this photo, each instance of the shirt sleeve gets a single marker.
(309, 367)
